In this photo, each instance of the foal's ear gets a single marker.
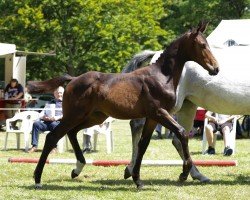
(202, 26)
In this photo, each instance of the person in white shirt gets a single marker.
(49, 118)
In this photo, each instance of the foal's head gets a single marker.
(197, 49)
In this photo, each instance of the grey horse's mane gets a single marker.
(139, 60)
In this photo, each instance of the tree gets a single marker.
(184, 14)
(85, 35)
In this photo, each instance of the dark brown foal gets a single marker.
(148, 92)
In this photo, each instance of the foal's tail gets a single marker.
(137, 61)
(48, 85)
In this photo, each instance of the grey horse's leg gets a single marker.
(185, 117)
(136, 126)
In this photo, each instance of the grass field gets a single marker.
(107, 182)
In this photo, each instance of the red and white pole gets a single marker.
(107, 163)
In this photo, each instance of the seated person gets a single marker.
(87, 146)
(48, 120)
(221, 123)
(13, 95)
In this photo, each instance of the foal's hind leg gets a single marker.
(78, 153)
(142, 147)
(95, 118)
(185, 118)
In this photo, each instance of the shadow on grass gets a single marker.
(84, 185)
(238, 180)
(127, 185)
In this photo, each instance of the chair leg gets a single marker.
(95, 137)
(18, 140)
(233, 140)
(109, 142)
(233, 136)
(60, 145)
(112, 141)
(67, 142)
(215, 139)
(26, 141)
(204, 142)
(6, 140)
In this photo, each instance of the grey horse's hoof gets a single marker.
(38, 186)
(127, 173)
(138, 182)
(202, 179)
(73, 174)
(139, 185)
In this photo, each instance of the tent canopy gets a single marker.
(230, 43)
(230, 30)
(7, 49)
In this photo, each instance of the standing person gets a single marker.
(87, 146)
(158, 131)
(47, 121)
(223, 124)
(13, 94)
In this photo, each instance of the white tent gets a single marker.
(15, 66)
(230, 43)
(7, 49)
(237, 30)
(15, 62)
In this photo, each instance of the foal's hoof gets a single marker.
(182, 177)
(127, 173)
(38, 186)
(73, 174)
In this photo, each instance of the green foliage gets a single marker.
(184, 14)
(86, 35)
(102, 34)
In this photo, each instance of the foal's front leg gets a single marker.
(185, 117)
(142, 147)
(51, 140)
(166, 120)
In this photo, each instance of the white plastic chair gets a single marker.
(231, 138)
(60, 144)
(27, 118)
(105, 129)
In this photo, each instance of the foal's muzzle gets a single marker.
(214, 72)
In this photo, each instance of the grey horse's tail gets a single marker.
(137, 61)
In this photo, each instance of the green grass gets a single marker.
(107, 182)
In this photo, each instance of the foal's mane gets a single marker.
(170, 50)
